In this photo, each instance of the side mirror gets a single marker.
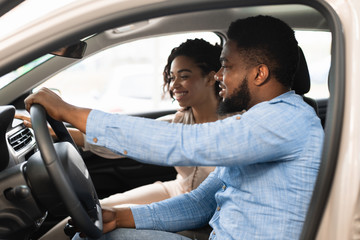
(76, 50)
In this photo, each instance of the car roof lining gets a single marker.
(230, 10)
(163, 25)
(292, 14)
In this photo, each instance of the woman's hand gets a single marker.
(27, 123)
(26, 120)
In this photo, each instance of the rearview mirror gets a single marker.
(76, 50)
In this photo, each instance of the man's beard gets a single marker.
(237, 102)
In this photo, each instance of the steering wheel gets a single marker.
(74, 184)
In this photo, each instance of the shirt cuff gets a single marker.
(142, 216)
(95, 134)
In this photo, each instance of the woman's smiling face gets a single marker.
(188, 84)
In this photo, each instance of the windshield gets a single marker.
(11, 76)
(17, 18)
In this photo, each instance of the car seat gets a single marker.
(301, 83)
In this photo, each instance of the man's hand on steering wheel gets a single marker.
(58, 109)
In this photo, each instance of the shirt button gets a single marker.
(238, 118)
(224, 187)
(218, 208)
(95, 140)
(125, 152)
(213, 232)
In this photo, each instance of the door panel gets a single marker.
(112, 176)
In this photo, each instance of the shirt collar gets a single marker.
(285, 97)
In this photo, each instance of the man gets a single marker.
(268, 159)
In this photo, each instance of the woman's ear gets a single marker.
(211, 78)
(262, 74)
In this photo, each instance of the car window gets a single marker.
(318, 56)
(126, 78)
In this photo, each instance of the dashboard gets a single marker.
(20, 210)
(33, 181)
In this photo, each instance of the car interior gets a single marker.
(28, 208)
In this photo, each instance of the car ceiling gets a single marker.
(297, 16)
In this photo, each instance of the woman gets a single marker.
(189, 79)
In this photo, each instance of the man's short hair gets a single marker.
(270, 41)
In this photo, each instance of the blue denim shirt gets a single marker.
(267, 162)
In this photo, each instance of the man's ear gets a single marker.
(262, 74)
(211, 78)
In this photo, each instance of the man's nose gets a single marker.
(218, 76)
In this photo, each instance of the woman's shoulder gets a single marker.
(167, 118)
(185, 116)
(182, 115)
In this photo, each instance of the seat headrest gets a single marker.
(301, 84)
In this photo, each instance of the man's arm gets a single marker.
(59, 109)
(270, 130)
(183, 212)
